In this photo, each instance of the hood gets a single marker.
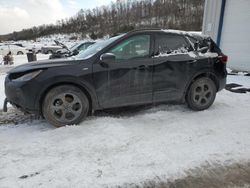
(43, 65)
(62, 51)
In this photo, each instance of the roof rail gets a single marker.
(145, 29)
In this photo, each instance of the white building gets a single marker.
(228, 23)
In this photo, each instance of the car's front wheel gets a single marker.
(65, 105)
(201, 94)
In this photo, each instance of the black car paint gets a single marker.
(124, 82)
(107, 85)
(29, 95)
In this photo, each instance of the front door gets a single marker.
(128, 80)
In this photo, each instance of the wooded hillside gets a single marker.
(123, 16)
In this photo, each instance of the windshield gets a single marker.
(71, 48)
(93, 49)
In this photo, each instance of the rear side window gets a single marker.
(167, 44)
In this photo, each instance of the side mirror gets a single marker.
(108, 58)
(196, 46)
(75, 52)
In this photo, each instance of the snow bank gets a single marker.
(21, 59)
(161, 142)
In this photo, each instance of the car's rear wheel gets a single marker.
(201, 94)
(49, 52)
(65, 105)
(19, 53)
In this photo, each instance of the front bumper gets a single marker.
(20, 94)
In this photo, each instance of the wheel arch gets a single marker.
(90, 95)
(204, 73)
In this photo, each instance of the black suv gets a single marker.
(140, 67)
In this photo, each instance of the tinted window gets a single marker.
(95, 48)
(88, 44)
(82, 47)
(171, 43)
(133, 47)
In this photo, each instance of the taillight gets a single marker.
(223, 58)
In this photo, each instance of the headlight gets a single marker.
(28, 76)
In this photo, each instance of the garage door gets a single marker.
(235, 40)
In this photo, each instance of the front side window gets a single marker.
(97, 47)
(167, 44)
(133, 47)
(82, 47)
(87, 45)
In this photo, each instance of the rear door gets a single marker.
(173, 61)
(128, 80)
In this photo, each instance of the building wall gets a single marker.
(228, 23)
(235, 38)
(211, 18)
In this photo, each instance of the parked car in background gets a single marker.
(50, 49)
(140, 67)
(34, 47)
(73, 50)
(18, 44)
(14, 49)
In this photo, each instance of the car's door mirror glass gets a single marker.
(108, 58)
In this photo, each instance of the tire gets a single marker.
(65, 105)
(19, 53)
(49, 52)
(201, 94)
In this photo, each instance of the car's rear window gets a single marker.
(168, 43)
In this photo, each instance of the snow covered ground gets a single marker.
(130, 147)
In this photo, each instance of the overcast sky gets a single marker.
(16, 15)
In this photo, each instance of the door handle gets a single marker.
(191, 61)
(142, 67)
